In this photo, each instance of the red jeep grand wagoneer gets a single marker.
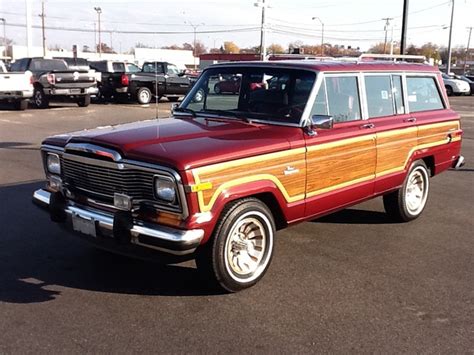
(295, 141)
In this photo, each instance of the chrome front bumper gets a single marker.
(152, 236)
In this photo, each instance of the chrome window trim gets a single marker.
(360, 90)
(305, 119)
(434, 76)
(133, 164)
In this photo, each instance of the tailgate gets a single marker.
(15, 82)
(74, 78)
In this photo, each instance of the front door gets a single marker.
(340, 161)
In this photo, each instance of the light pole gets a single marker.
(4, 35)
(322, 34)
(42, 15)
(194, 26)
(263, 29)
(99, 11)
(467, 50)
(387, 23)
(448, 64)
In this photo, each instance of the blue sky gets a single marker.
(356, 23)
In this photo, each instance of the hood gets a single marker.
(187, 143)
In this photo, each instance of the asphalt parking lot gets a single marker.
(349, 282)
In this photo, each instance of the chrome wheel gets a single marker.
(416, 190)
(38, 98)
(144, 96)
(248, 247)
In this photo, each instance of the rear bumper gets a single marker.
(16, 95)
(115, 232)
(93, 90)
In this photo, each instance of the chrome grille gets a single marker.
(102, 182)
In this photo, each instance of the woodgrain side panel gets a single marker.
(393, 149)
(335, 165)
(435, 133)
(266, 167)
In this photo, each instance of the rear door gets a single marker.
(396, 129)
(340, 161)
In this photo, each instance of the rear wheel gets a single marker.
(144, 96)
(84, 101)
(21, 105)
(39, 98)
(240, 251)
(409, 201)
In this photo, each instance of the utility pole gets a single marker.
(99, 11)
(194, 41)
(95, 37)
(467, 50)
(403, 42)
(448, 64)
(4, 36)
(322, 34)
(111, 40)
(387, 24)
(42, 15)
(263, 29)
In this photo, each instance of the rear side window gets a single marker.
(379, 95)
(338, 96)
(423, 94)
(118, 67)
(19, 65)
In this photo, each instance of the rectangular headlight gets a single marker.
(53, 164)
(165, 189)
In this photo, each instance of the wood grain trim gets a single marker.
(241, 171)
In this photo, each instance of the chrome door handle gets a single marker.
(411, 119)
(367, 126)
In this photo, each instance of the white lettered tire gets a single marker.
(409, 201)
(241, 248)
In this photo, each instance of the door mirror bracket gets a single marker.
(319, 122)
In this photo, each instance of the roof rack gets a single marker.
(392, 57)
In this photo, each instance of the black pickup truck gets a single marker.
(156, 79)
(54, 81)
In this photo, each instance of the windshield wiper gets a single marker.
(185, 110)
(229, 113)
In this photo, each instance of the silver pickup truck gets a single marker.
(15, 88)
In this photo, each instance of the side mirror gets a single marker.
(322, 122)
(319, 121)
(182, 73)
(173, 107)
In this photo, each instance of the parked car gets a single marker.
(467, 80)
(218, 179)
(228, 85)
(53, 81)
(15, 88)
(155, 79)
(455, 86)
(112, 76)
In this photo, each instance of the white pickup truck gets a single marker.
(15, 88)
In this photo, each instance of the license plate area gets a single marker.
(84, 225)
(75, 91)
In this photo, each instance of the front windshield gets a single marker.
(258, 93)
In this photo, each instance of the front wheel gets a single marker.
(240, 251)
(408, 202)
(449, 90)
